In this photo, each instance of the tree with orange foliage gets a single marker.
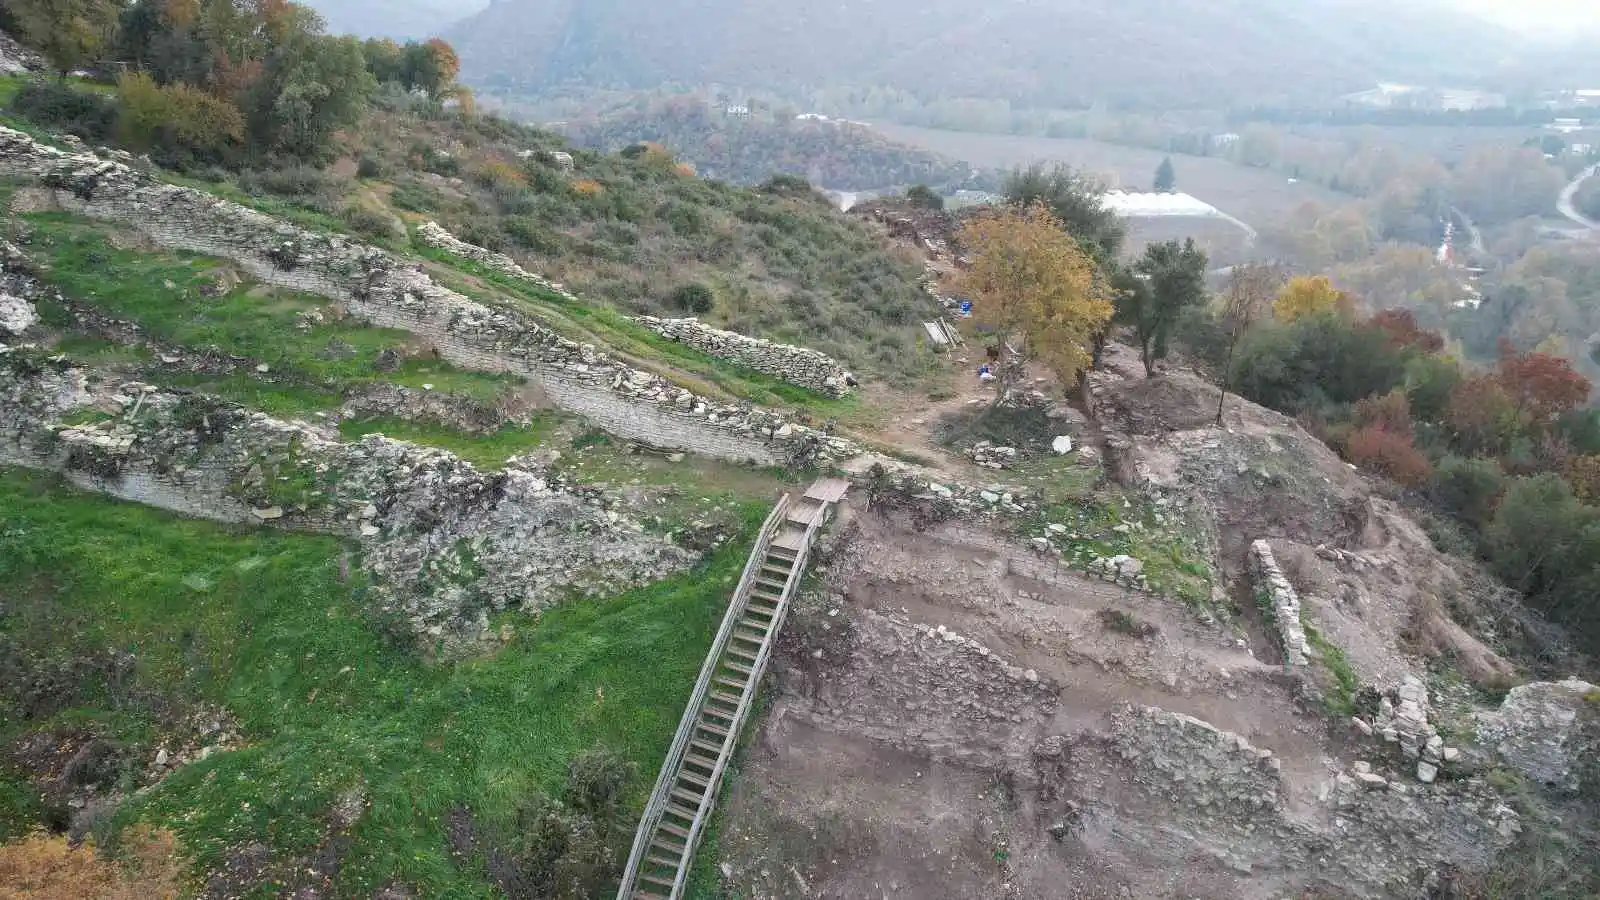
(1309, 296)
(1036, 289)
(431, 66)
(1403, 331)
(1541, 386)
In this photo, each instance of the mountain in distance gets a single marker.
(399, 19)
(1055, 53)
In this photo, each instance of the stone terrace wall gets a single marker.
(1285, 602)
(387, 292)
(444, 543)
(435, 235)
(797, 365)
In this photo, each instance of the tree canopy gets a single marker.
(1036, 289)
(1151, 297)
(1076, 201)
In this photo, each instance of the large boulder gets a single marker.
(1547, 730)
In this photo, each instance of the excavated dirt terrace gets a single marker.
(958, 716)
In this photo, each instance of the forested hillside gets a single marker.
(1176, 53)
(750, 149)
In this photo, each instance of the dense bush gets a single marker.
(1314, 361)
(90, 115)
(1389, 453)
(1468, 488)
(694, 298)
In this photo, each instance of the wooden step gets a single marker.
(781, 571)
(742, 670)
(750, 635)
(663, 861)
(714, 729)
(762, 603)
(692, 778)
(742, 653)
(687, 795)
(687, 814)
(735, 683)
(767, 612)
(775, 587)
(646, 895)
(671, 851)
(733, 699)
(723, 714)
(712, 749)
(675, 831)
(657, 879)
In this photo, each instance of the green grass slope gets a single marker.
(263, 625)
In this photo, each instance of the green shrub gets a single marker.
(367, 222)
(89, 115)
(1468, 488)
(369, 167)
(693, 298)
(923, 197)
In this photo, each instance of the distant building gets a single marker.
(1566, 125)
(1141, 204)
(1226, 139)
(1388, 95)
(737, 112)
(1580, 149)
(811, 117)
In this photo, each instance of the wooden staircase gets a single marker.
(686, 791)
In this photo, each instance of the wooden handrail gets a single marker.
(747, 697)
(680, 742)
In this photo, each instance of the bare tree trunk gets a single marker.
(1222, 383)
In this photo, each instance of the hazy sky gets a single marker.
(1539, 15)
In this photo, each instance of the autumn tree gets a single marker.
(1248, 300)
(1075, 200)
(1542, 387)
(1168, 279)
(70, 33)
(1036, 289)
(431, 67)
(1403, 331)
(1308, 296)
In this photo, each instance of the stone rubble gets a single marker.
(388, 292)
(990, 456)
(444, 543)
(797, 365)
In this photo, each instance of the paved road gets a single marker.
(1570, 192)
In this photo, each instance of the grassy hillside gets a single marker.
(628, 233)
(1175, 53)
(102, 644)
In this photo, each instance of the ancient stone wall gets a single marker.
(1282, 600)
(435, 235)
(444, 543)
(387, 292)
(797, 365)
